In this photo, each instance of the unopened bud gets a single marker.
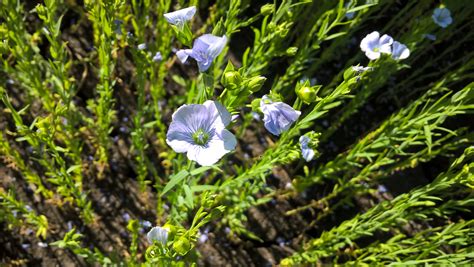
(231, 80)
(349, 73)
(291, 51)
(171, 230)
(41, 11)
(256, 104)
(307, 94)
(256, 83)
(267, 9)
(182, 246)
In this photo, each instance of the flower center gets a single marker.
(200, 137)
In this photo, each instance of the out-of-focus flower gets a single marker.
(306, 150)
(349, 15)
(277, 116)
(157, 57)
(205, 49)
(199, 131)
(429, 36)
(179, 17)
(399, 51)
(158, 234)
(141, 47)
(442, 17)
(373, 45)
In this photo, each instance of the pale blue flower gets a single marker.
(157, 57)
(277, 116)
(205, 49)
(431, 37)
(373, 45)
(442, 17)
(400, 51)
(179, 17)
(141, 47)
(306, 150)
(158, 234)
(349, 15)
(199, 131)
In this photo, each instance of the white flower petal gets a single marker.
(219, 110)
(179, 146)
(369, 41)
(372, 55)
(217, 147)
(179, 17)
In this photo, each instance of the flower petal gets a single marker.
(372, 55)
(158, 234)
(400, 51)
(278, 116)
(370, 41)
(183, 54)
(179, 17)
(214, 107)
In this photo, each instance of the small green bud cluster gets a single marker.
(232, 80)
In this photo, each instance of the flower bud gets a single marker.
(171, 230)
(287, 262)
(256, 83)
(41, 11)
(291, 51)
(271, 26)
(256, 104)
(267, 9)
(307, 94)
(182, 246)
(231, 80)
(351, 83)
(349, 73)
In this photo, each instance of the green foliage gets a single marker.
(89, 91)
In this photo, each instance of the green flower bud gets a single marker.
(291, 51)
(349, 73)
(307, 94)
(256, 83)
(171, 230)
(267, 9)
(256, 104)
(271, 26)
(231, 80)
(41, 11)
(351, 83)
(182, 246)
(287, 262)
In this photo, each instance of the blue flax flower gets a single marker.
(306, 150)
(400, 51)
(179, 17)
(157, 57)
(442, 17)
(373, 45)
(158, 234)
(199, 131)
(277, 116)
(205, 49)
